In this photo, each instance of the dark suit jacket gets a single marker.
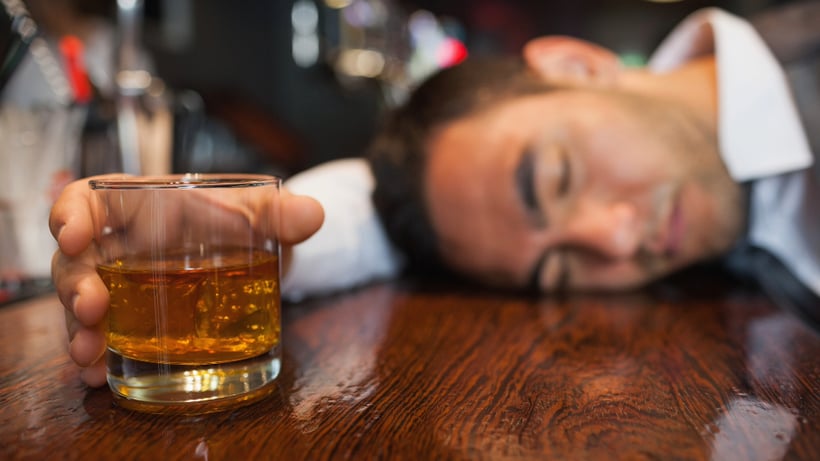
(793, 34)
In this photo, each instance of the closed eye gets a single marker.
(525, 180)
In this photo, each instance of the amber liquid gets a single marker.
(188, 310)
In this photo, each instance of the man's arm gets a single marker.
(351, 248)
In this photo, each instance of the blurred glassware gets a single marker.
(375, 40)
(40, 128)
(144, 120)
(17, 30)
(58, 119)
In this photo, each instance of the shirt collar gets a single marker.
(760, 132)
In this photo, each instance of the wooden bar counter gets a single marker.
(410, 370)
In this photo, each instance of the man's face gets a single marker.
(581, 190)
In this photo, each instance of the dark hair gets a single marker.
(398, 153)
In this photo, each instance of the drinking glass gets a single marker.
(191, 263)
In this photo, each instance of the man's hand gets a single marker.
(82, 292)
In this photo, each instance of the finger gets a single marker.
(94, 375)
(79, 287)
(70, 218)
(72, 325)
(84, 346)
(87, 347)
(301, 217)
(91, 302)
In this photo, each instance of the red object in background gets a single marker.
(510, 24)
(451, 52)
(72, 50)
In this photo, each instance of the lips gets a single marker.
(667, 239)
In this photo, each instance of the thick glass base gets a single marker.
(191, 389)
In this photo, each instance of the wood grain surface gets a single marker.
(421, 372)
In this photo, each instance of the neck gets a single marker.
(693, 85)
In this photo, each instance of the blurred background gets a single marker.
(270, 86)
(283, 85)
(302, 82)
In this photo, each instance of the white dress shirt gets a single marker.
(351, 248)
(761, 136)
(761, 140)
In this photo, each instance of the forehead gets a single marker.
(494, 133)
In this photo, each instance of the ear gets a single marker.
(570, 61)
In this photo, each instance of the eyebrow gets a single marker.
(525, 183)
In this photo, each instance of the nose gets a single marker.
(609, 229)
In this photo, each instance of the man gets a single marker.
(574, 174)
(607, 179)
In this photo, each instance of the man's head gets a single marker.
(560, 170)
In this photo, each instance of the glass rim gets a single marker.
(183, 181)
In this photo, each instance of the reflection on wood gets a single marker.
(401, 371)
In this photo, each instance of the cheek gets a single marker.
(617, 156)
(498, 258)
(624, 171)
(714, 221)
